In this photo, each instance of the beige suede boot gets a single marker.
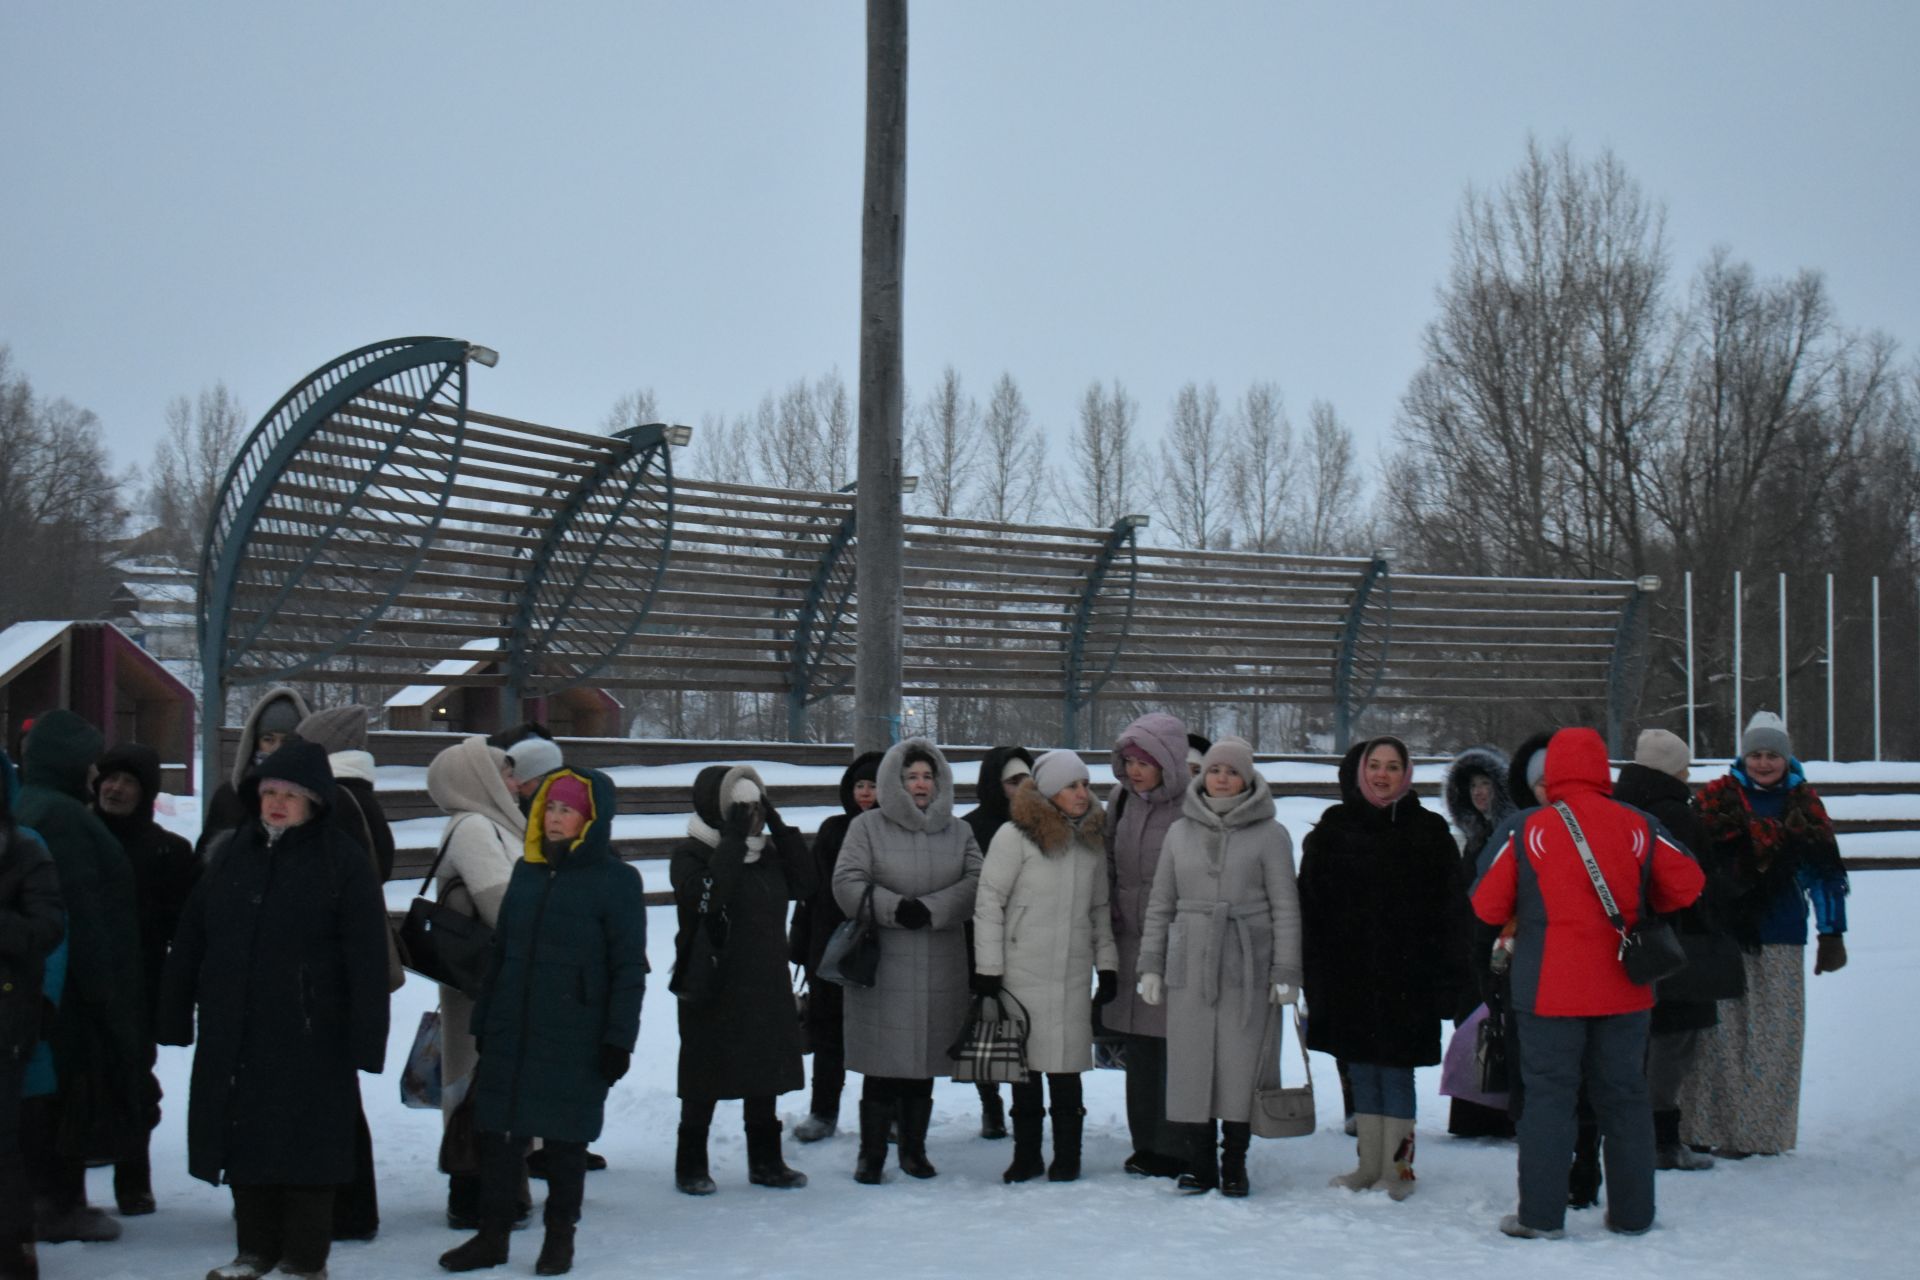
(1372, 1156)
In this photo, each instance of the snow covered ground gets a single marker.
(1840, 1205)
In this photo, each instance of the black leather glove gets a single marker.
(734, 822)
(614, 1062)
(1830, 953)
(1109, 987)
(985, 984)
(912, 914)
(775, 823)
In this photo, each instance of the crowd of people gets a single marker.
(1166, 926)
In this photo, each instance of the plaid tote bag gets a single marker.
(993, 1046)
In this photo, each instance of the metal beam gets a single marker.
(1347, 705)
(817, 623)
(1078, 690)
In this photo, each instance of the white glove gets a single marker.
(1151, 988)
(1282, 994)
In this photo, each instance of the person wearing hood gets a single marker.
(1477, 802)
(269, 724)
(814, 920)
(733, 877)
(99, 1037)
(1770, 833)
(1042, 926)
(1197, 747)
(341, 732)
(916, 868)
(1222, 948)
(1581, 1018)
(557, 1019)
(1150, 762)
(484, 836)
(32, 924)
(126, 784)
(281, 965)
(1685, 1004)
(1002, 770)
(1377, 879)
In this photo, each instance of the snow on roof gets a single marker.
(161, 592)
(22, 642)
(419, 695)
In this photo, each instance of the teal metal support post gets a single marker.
(1077, 687)
(1348, 702)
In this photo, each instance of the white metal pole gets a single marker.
(1876, 667)
(1833, 751)
(1690, 725)
(1783, 653)
(1738, 723)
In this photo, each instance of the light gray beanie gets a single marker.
(1766, 732)
(1664, 751)
(534, 757)
(1235, 753)
(1055, 771)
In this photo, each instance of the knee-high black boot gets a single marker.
(1235, 1137)
(1029, 1117)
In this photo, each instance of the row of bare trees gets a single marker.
(1583, 412)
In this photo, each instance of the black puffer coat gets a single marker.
(1671, 801)
(282, 950)
(164, 866)
(744, 1041)
(1376, 895)
(818, 915)
(1469, 935)
(31, 926)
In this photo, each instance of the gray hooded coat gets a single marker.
(1222, 927)
(485, 835)
(1136, 826)
(905, 1023)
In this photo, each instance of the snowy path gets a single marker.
(1841, 1205)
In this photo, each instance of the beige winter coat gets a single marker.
(1223, 926)
(484, 837)
(904, 1024)
(1042, 922)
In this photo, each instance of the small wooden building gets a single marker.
(95, 670)
(467, 708)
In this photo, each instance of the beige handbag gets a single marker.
(1282, 1110)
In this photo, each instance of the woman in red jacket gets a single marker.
(1575, 1004)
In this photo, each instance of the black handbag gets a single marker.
(1490, 1054)
(852, 957)
(696, 963)
(442, 943)
(1650, 950)
(1715, 970)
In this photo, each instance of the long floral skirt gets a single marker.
(1744, 1091)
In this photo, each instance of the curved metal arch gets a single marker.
(817, 625)
(273, 446)
(1347, 704)
(1627, 665)
(592, 531)
(1078, 687)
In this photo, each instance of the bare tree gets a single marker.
(1013, 458)
(197, 446)
(1261, 476)
(1196, 479)
(61, 509)
(1102, 478)
(1331, 517)
(944, 447)
(834, 413)
(631, 410)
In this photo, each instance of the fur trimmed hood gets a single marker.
(894, 801)
(1457, 794)
(1042, 822)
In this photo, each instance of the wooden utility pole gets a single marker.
(883, 228)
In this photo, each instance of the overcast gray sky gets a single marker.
(643, 194)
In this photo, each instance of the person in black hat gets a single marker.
(126, 784)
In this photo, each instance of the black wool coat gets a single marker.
(1376, 893)
(164, 866)
(282, 952)
(31, 926)
(743, 1041)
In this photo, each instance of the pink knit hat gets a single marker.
(571, 792)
